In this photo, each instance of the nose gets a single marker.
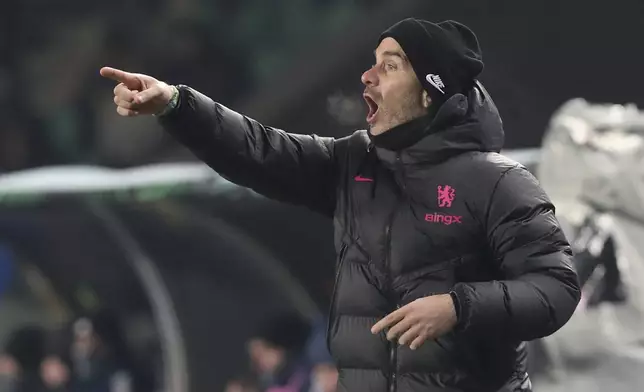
(370, 77)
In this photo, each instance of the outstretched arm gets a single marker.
(293, 168)
(299, 169)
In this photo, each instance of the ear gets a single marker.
(426, 99)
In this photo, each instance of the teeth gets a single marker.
(373, 107)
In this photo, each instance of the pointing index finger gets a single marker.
(128, 79)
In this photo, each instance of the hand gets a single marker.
(137, 93)
(425, 318)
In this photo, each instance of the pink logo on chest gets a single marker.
(446, 196)
(444, 219)
(359, 178)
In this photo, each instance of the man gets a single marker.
(449, 254)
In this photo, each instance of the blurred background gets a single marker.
(126, 266)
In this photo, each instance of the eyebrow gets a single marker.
(398, 54)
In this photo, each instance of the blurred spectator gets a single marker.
(20, 365)
(241, 384)
(324, 374)
(95, 354)
(91, 358)
(9, 371)
(54, 374)
(277, 354)
(324, 377)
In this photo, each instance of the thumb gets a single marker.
(130, 80)
(148, 95)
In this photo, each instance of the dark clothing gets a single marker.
(447, 214)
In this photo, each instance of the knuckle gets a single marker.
(124, 111)
(123, 104)
(119, 88)
(129, 96)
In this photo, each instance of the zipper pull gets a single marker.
(400, 171)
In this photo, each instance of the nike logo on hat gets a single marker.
(436, 81)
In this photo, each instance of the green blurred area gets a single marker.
(275, 32)
(56, 109)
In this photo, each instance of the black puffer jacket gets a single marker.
(448, 214)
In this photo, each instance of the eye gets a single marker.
(391, 66)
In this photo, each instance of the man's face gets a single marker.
(393, 93)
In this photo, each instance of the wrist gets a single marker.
(462, 304)
(172, 104)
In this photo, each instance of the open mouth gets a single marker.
(373, 109)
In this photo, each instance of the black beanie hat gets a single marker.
(445, 56)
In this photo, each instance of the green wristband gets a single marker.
(172, 104)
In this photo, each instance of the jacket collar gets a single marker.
(462, 124)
